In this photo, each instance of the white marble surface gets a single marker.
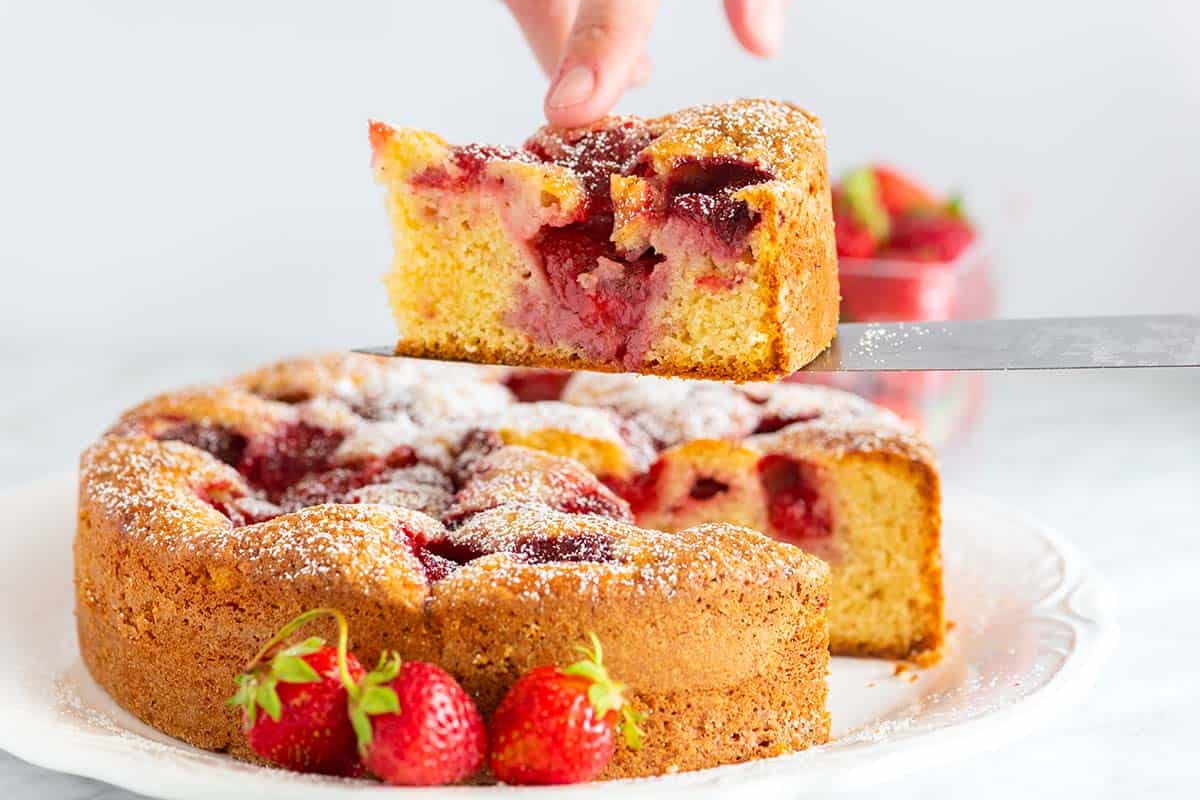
(1111, 459)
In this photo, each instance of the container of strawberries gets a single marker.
(908, 254)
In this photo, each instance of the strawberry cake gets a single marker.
(697, 244)
(453, 523)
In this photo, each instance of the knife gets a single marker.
(1164, 340)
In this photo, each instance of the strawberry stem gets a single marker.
(605, 694)
(295, 624)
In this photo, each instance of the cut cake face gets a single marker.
(697, 244)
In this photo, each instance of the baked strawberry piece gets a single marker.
(699, 243)
(521, 474)
(817, 468)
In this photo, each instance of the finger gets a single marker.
(757, 24)
(602, 53)
(641, 71)
(545, 24)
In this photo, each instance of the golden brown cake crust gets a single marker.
(782, 137)
(720, 630)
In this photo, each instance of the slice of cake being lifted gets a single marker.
(697, 244)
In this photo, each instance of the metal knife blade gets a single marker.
(1169, 340)
(1166, 340)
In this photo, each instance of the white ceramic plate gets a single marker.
(1031, 629)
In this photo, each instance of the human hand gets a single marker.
(595, 49)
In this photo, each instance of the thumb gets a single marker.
(603, 54)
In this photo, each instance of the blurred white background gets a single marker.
(178, 176)
(185, 191)
(173, 168)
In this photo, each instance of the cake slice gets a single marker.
(696, 244)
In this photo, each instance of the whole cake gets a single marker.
(696, 244)
(450, 522)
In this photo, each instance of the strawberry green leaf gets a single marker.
(861, 189)
(387, 668)
(266, 697)
(362, 727)
(244, 697)
(604, 697)
(309, 645)
(379, 700)
(631, 731)
(597, 650)
(370, 697)
(293, 669)
(588, 669)
(954, 207)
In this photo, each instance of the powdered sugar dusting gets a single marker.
(669, 410)
(413, 454)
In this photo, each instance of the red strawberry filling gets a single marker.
(469, 162)
(707, 488)
(331, 486)
(219, 441)
(440, 559)
(456, 551)
(241, 509)
(536, 385)
(338, 485)
(604, 291)
(274, 463)
(701, 192)
(586, 498)
(641, 491)
(578, 547)
(796, 507)
(774, 422)
(435, 566)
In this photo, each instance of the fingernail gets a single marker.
(572, 87)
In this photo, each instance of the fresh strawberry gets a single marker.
(880, 213)
(415, 724)
(853, 240)
(860, 191)
(898, 194)
(559, 725)
(929, 236)
(295, 705)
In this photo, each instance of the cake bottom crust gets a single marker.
(535, 355)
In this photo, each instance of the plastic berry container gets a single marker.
(890, 290)
(942, 404)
